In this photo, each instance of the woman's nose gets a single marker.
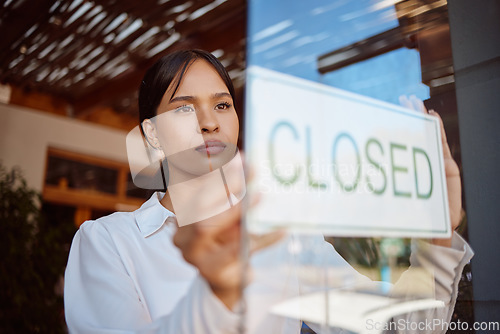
(208, 121)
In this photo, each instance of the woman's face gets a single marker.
(197, 128)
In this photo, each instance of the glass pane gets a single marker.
(383, 50)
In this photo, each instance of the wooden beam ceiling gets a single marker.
(94, 53)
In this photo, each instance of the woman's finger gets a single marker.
(444, 140)
(261, 241)
(417, 104)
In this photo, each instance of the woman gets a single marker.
(140, 272)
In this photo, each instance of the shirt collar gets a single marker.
(151, 216)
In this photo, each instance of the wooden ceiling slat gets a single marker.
(51, 30)
(224, 12)
(215, 41)
(222, 27)
(19, 18)
(137, 9)
(145, 14)
(233, 30)
(123, 45)
(112, 50)
(196, 5)
(17, 23)
(161, 17)
(41, 29)
(123, 7)
(59, 35)
(98, 40)
(143, 49)
(157, 16)
(154, 7)
(116, 50)
(51, 66)
(113, 9)
(97, 30)
(118, 87)
(64, 60)
(5, 9)
(69, 57)
(124, 85)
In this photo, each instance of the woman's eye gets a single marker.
(223, 106)
(184, 109)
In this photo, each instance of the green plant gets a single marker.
(33, 260)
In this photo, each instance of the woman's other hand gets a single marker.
(453, 184)
(451, 169)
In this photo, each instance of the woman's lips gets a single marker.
(211, 147)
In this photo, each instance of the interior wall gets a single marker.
(26, 134)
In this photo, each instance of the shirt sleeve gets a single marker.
(445, 266)
(100, 296)
(434, 273)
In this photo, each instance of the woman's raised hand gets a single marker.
(453, 184)
(214, 247)
(451, 169)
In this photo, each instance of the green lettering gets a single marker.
(398, 169)
(376, 165)
(348, 187)
(272, 159)
(312, 183)
(415, 151)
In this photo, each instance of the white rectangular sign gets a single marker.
(340, 163)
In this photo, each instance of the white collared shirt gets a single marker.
(124, 275)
